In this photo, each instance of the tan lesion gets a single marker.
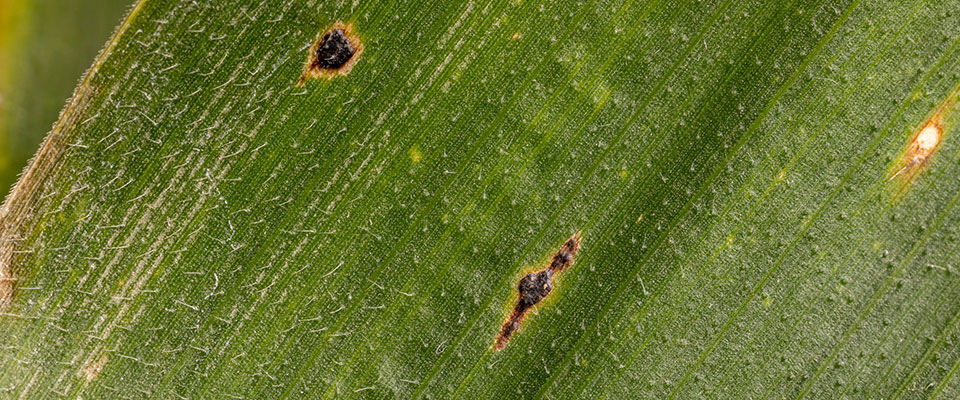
(6, 287)
(923, 144)
(312, 69)
(92, 369)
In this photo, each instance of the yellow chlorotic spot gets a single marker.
(516, 35)
(415, 155)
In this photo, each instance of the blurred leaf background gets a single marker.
(45, 46)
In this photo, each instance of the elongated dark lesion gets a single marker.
(534, 287)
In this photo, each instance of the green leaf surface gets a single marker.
(199, 226)
(45, 45)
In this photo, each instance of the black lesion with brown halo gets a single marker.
(534, 287)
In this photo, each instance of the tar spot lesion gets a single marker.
(334, 53)
(534, 287)
(334, 50)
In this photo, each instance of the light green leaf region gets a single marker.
(197, 226)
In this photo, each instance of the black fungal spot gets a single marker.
(534, 287)
(334, 51)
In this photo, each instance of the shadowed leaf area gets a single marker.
(199, 226)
